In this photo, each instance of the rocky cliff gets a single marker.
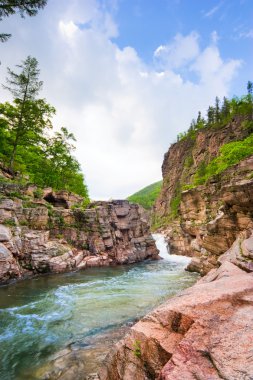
(185, 157)
(203, 333)
(206, 331)
(209, 217)
(48, 232)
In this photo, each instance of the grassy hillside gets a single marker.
(146, 197)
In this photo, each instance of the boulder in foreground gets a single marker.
(203, 333)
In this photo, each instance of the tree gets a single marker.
(200, 121)
(225, 108)
(23, 7)
(210, 115)
(27, 117)
(217, 110)
(250, 87)
(25, 85)
(56, 166)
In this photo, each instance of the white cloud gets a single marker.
(212, 69)
(123, 112)
(248, 34)
(68, 29)
(178, 53)
(215, 37)
(213, 10)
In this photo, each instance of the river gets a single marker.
(83, 312)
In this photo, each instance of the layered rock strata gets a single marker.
(203, 333)
(213, 216)
(204, 221)
(41, 237)
(185, 157)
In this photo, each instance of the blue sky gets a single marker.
(147, 24)
(127, 76)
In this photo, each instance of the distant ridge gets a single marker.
(147, 196)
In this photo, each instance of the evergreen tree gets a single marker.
(217, 110)
(23, 7)
(225, 109)
(27, 117)
(210, 115)
(200, 121)
(250, 87)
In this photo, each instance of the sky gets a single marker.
(126, 76)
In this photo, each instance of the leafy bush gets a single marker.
(229, 154)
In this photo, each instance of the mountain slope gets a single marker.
(147, 196)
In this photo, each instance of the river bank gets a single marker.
(66, 324)
(204, 333)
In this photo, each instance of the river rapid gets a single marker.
(85, 312)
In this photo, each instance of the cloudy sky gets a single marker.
(126, 76)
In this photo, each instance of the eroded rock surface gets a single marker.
(36, 237)
(212, 217)
(203, 333)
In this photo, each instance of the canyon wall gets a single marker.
(209, 217)
(48, 232)
(185, 157)
(206, 331)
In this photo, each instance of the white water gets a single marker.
(165, 254)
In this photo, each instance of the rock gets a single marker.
(5, 233)
(36, 217)
(205, 333)
(9, 267)
(241, 252)
(211, 216)
(106, 233)
(6, 204)
(62, 198)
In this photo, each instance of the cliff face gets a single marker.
(52, 234)
(184, 158)
(206, 331)
(212, 216)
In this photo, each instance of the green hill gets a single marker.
(146, 197)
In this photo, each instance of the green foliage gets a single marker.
(248, 125)
(28, 117)
(23, 7)
(174, 205)
(229, 154)
(137, 348)
(10, 222)
(23, 223)
(188, 162)
(38, 193)
(222, 113)
(146, 197)
(25, 145)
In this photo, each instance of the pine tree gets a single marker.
(250, 87)
(200, 121)
(27, 117)
(210, 115)
(23, 7)
(225, 108)
(217, 110)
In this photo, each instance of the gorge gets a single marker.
(62, 326)
(205, 212)
(80, 322)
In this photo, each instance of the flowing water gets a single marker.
(42, 316)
